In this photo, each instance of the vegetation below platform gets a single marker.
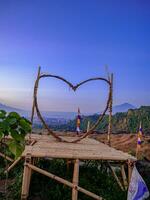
(92, 178)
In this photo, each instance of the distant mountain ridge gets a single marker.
(12, 109)
(66, 115)
(123, 108)
(47, 114)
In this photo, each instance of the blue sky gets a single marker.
(74, 39)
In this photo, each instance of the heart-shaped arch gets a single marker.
(74, 88)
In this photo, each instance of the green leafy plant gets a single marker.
(12, 124)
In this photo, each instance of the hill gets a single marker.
(127, 122)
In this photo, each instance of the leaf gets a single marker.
(25, 125)
(2, 114)
(14, 115)
(16, 135)
(22, 132)
(4, 126)
(1, 135)
(12, 121)
(29, 122)
(16, 148)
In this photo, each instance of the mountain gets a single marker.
(58, 115)
(123, 108)
(12, 109)
(46, 114)
(62, 115)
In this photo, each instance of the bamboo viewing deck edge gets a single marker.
(88, 148)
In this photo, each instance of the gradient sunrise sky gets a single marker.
(74, 39)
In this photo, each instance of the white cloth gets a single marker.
(137, 188)
(78, 129)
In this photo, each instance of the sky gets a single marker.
(75, 39)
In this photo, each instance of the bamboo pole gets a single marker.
(129, 170)
(124, 177)
(75, 180)
(33, 142)
(70, 156)
(88, 126)
(13, 164)
(137, 150)
(110, 111)
(68, 163)
(26, 178)
(6, 157)
(63, 181)
(116, 177)
(35, 88)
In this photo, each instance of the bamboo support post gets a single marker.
(110, 111)
(26, 178)
(124, 177)
(137, 151)
(88, 126)
(68, 163)
(75, 180)
(13, 164)
(63, 181)
(130, 163)
(116, 177)
(6, 157)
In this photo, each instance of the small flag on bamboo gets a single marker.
(139, 139)
(78, 121)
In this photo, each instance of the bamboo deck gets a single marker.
(86, 149)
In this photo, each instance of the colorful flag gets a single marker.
(137, 188)
(139, 140)
(78, 121)
(140, 134)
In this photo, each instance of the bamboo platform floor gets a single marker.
(46, 146)
(86, 149)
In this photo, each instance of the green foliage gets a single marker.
(17, 127)
(93, 177)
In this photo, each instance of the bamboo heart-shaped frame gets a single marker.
(74, 88)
